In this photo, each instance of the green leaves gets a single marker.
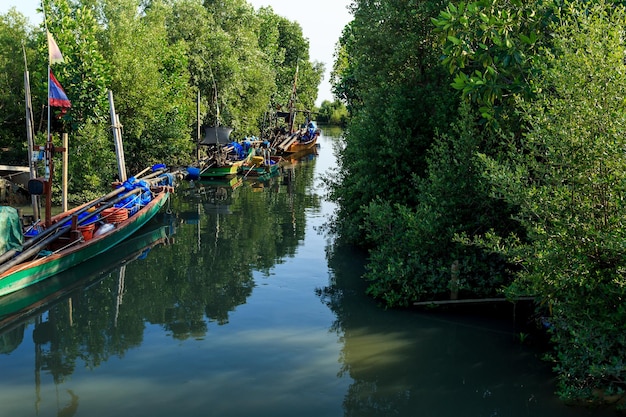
(531, 176)
(487, 48)
(565, 173)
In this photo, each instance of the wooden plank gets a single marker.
(471, 301)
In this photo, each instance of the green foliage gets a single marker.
(415, 249)
(13, 30)
(537, 191)
(244, 79)
(291, 60)
(155, 56)
(90, 162)
(334, 113)
(401, 98)
(567, 178)
(489, 47)
(84, 73)
(150, 81)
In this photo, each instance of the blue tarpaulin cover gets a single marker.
(10, 229)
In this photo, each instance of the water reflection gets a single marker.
(221, 234)
(61, 307)
(440, 363)
(18, 307)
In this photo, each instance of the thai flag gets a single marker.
(57, 96)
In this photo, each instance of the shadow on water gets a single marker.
(435, 363)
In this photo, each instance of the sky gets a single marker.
(322, 22)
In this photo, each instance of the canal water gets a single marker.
(234, 303)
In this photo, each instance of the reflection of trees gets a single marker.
(209, 272)
(374, 354)
(205, 274)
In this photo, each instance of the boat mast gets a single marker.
(292, 101)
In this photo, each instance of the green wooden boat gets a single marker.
(220, 171)
(77, 248)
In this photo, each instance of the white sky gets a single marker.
(322, 22)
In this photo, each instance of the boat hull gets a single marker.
(32, 272)
(300, 148)
(222, 171)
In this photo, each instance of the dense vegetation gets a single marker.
(156, 57)
(485, 156)
(334, 113)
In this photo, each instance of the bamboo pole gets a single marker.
(31, 140)
(117, 138)
(198, 127)
(471, 301)
(64, 175)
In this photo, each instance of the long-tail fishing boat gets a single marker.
(80, 234)
(289, 140)
(84, 232)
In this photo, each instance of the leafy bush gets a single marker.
(416, 249)
(567, 175)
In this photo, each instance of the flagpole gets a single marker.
(61, 100)
(48, 162)
(48, 146)
(45, 23)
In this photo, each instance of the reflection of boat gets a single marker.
(302, 156)
(217, 194)
(231, 183)
(82, 233)
(25, 303)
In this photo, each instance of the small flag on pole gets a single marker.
(56, 95)
(54, 52)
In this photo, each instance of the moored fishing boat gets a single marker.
(260, 165)
(79, 234)
(74, 236)
(301, 142)
(286, 139)
(223, 157)
(222, 170)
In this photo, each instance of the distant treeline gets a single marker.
(157, 57)
(333, 113)
(486, 157)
